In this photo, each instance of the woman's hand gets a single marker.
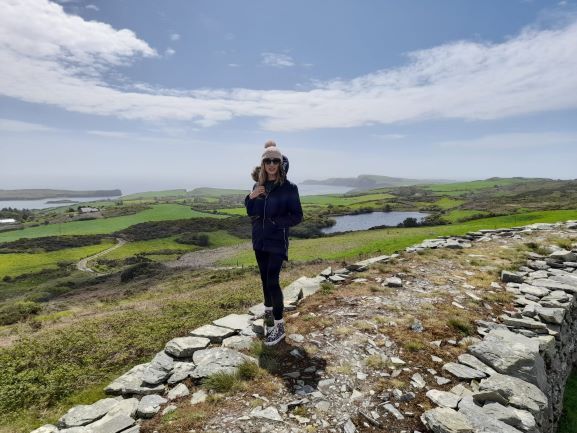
(259, 190)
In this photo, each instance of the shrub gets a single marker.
(144, 269)
(17, 311)
(201, 240)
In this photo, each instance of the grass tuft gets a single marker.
(461, 325)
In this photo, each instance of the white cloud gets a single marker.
(9, 125)
(93, 7)
(174, 37)
(516, 140)
(233, 65)
(277, 60)
(169, 52)
(389, 136)
(60, 59)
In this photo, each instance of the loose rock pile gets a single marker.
(510, 381)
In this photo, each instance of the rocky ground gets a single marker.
(362, 353)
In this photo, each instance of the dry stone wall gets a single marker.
(512, 379)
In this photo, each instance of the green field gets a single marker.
(216, 192)
(448, 203)
(158, 212)
(474, 185)
(356, 245)
(21, 263)
(338, 200)
(155, 194)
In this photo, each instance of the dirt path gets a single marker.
(82, 265)
(207, 258)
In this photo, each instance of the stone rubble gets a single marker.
(511, 379)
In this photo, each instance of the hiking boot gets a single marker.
(275, 335)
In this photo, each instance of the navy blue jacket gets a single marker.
(271, 217)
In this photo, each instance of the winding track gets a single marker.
(82, 265)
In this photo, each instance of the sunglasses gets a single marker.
(274, 161)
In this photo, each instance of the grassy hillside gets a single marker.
(37, 194)
(161, 212)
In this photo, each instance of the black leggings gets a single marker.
(269, 265)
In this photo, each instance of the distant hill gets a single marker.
(39, 194)
(369, 181)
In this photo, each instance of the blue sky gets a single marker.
(142, 94)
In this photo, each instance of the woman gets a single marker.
(274, 206)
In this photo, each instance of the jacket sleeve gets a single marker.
(249, 204)
(295, 212)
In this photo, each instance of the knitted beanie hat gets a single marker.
(271, 151)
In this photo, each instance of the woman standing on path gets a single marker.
(273, 206)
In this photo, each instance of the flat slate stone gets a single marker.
(462, 371)
(214, 333)
(149, 406)
(179, 391)
(47, 428)
(270, 413)
(372, 260)
(130, 380)
(126, 407)
(551, 315)
(113, 424)
(526, 323)
(474, 362)
(234, 321)
(480, 421)
(517, 418)
(443, 398)
(181, 371)
(159, 369)
(216, 359)
(238, 342)
(82, 415)
(184, 347)
(554, 285)
(533, 290)
(521, 394)
(446, 420)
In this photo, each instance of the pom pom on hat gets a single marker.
(271, 151)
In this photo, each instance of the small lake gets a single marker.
(41, 204)
(367, 220)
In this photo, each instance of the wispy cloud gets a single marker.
(174, 37)
(517, 140)
(9, 125)
(277, 60)
(93, 7)
(60, 59)
(389, 136)
(169, 52)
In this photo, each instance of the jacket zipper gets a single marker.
(263, 218)
(285, 241)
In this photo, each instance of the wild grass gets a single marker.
(461, 325)
(42, 370)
